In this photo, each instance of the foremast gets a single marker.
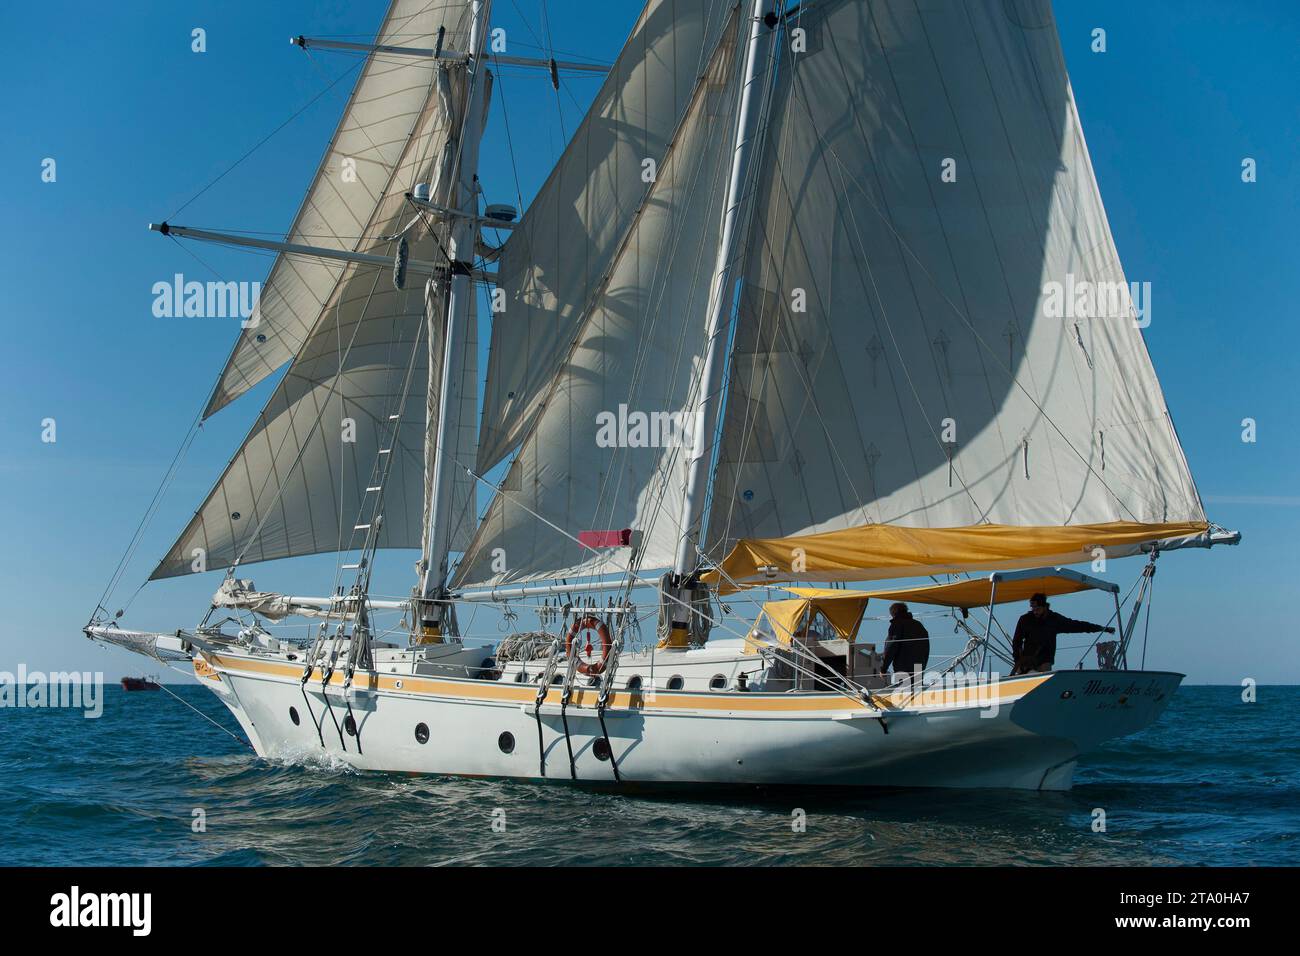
(435, 619)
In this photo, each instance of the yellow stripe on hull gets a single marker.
(659, 700)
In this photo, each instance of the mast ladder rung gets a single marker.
(361, 527)
(375, 488)
(351, 567)
(385, 451)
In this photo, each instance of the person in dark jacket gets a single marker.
(907, 646)
(1034, 643)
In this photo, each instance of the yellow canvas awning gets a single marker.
(977, 591)
(879, 551)
(844, 609)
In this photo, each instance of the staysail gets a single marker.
(356, 389)
(566, 243)
(934, 329)
(382, 141)
(606, 453)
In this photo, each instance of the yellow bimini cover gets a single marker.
(977, 592)
(843, 610)
(879, 551)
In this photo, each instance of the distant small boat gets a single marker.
(139, 683)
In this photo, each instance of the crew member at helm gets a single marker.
(1034, 643)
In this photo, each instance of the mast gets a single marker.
(762, 23)
(684, 603)
(433, 614)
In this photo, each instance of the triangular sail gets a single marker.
(607, 452)
(897, 360)
(352, 406)
(565, 244)
(384, 145)
(298, 484)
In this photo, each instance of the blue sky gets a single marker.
(138, 123)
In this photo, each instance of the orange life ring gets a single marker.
(589, 624)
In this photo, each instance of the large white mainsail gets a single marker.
(925, 180)
(299, 481)
(565, 244)
(607, 451)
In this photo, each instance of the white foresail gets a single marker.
(299, 483)
(565, 244)
(606, 453)
(383, 145)
(899, 357)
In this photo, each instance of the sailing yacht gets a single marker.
(816, 295)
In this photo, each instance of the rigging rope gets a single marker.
(224, 730)
(1146, 629)
(262, 142)
(302, 448)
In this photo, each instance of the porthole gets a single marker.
(506, 742)
(519, 677)
(557, 679)
(676, 682)
(421, 733)
(593, 680)
(1066, 695)
(293, 715)
(350, 725)
(718, 682)
(601, 748)
(634, 682)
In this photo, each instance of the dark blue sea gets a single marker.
(1215, 782)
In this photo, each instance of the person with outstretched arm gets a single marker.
(1034, 643)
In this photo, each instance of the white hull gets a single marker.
(1029, 740)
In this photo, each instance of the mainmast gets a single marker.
(708, 408)
(680, 587)
(434, 610)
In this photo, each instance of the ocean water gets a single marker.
(1214, 782)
